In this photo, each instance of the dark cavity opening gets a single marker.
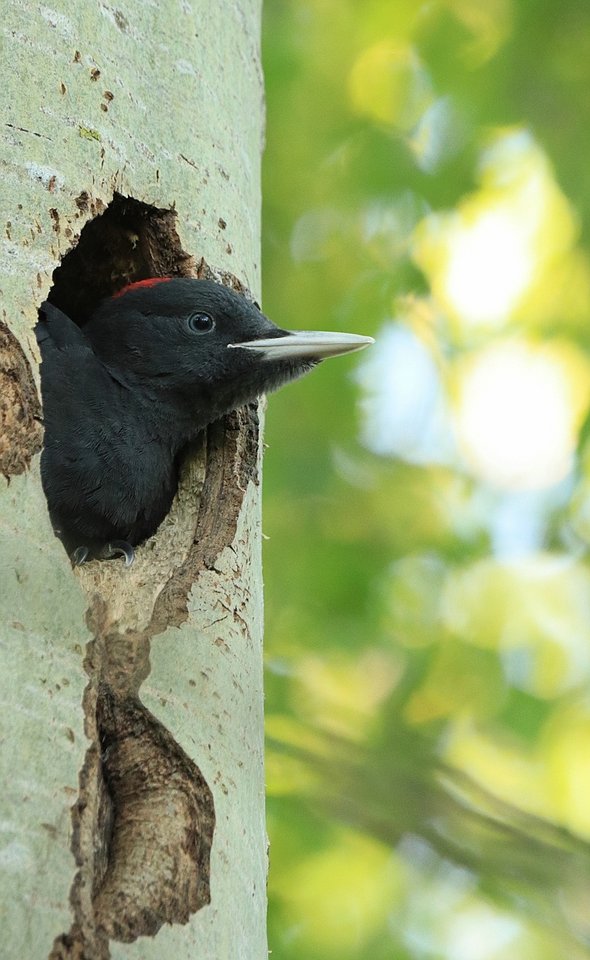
(129, 241)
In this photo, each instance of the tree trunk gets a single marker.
(131, 717)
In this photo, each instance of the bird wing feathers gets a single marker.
(53, 325)
(96, 459)
(79, 398)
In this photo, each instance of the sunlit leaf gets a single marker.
(484, 258)
(343, 696)
(341, 897)
(389, 84)
(536, 612)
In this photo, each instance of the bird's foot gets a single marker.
(116, 548)
(120, 548)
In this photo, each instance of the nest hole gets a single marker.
(128, 242)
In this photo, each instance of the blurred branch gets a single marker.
(522, 861)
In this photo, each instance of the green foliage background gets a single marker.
(425, 798)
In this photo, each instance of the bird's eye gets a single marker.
(201, 323)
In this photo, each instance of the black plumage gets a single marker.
(125, 393)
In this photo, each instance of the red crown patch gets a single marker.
(151, 282)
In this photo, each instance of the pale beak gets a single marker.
(298, 344)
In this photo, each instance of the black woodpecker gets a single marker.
(125, 393)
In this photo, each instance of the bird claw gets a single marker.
(120, 548)
(116, 548)
(79, 556)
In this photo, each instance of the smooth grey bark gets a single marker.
(161, 102)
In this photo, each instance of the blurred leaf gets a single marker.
(341, 896)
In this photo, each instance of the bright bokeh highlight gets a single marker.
(443, 916)
(519, 406)
(484, 258)
(403, 407)
(490, 264)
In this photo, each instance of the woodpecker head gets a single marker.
(197, 345)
